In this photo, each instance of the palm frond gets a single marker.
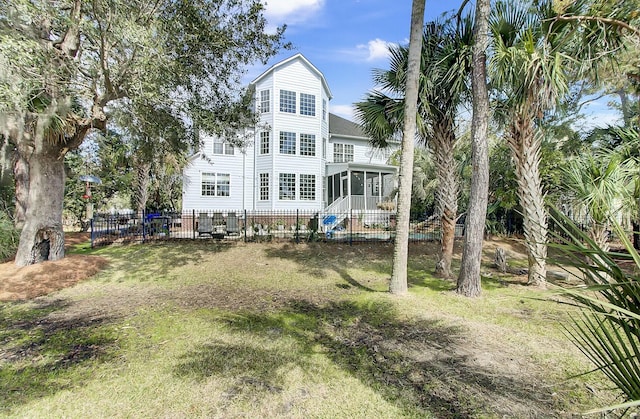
(607, 329)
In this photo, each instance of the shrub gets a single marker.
(607, 328)
(9, 238)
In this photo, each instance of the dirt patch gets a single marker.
(24, 283)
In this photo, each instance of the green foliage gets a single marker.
(9, 237)
(607, 328)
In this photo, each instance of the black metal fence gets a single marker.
(352, 227)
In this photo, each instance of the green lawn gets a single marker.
(201, 329)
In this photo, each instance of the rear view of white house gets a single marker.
(299, 155)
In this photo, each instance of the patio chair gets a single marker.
(232, 223)
(205, 224)
(219, 225)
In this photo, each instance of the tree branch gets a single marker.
(608, 21)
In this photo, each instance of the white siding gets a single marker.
(238, 167)
(294, 75)
(362, 151)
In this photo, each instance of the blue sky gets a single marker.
(346, 39)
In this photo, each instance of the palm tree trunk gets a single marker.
(469, 283)
(525, 146)
(398, 284)
(142, 180)
(446, 195)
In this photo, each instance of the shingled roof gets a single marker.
(341, 126)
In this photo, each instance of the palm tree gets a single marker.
(528, 69)
(443, 88)
(598, 185)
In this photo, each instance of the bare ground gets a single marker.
(25, 283)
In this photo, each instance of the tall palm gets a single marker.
(443, 88)
(528, 68)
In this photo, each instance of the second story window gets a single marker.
(342, 153)
(307, 104)
(287, 142)
(287, 101)
(307, 145)
(265, 101)
(222, 147)
(265, 142)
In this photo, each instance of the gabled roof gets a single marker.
(290, 59)
(344, 127)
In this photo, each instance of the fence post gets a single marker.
(91, 226)
(298, 225)
(351, 227)
(244, 227)
(144, 227)
(193, 223)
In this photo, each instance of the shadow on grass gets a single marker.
(317, 258)
(154, 260)
(420, 366)
(40, 355)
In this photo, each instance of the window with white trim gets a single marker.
(307, 145)
(324, 109)
(287, 189)
(215, 184)
(287, 101)
(264, 186)
(307, 104)
(222, 147)
(265, 101)
(287, 142)
(308, 187)
(265, 142)
(342, 153)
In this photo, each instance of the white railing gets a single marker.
(339, 209)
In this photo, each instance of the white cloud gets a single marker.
(376, 49)
(345, 111)
(598, 120)
(290, 12)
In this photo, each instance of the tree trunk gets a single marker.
(42, 236)
(525, 146)
(142, 186)
(398, 284)
(21, 179)
(469, 283)
(447, 197)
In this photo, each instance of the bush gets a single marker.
(607, 328)
(9, 238)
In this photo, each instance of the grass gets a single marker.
(201, 329)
